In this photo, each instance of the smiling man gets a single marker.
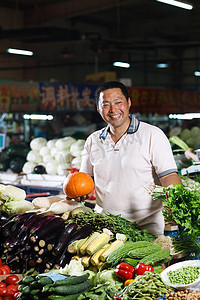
(124, 157)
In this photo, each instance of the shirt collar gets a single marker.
(133, 127)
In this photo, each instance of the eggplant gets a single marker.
(5, 229)
(20, 219)
(40, 223)
(55, 224)
(82, 233)
(64, 238)
(48, 239)
(24, 230)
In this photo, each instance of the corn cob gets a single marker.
(120, 239)
(99, 242)
(82, 249)
(142, 252)
(85, 261)
(95, 259)
(74, 247)
(123, 251)
(100, 264)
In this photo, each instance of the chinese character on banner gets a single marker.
(48, 99)
(63, 97)
(85, 101)
(74, 97)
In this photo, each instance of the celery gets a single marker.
(177, 141)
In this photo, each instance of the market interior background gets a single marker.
(73, 40)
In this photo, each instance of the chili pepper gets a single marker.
(128, 281)
(141, 268)
(124, 271)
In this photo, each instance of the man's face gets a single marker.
(114, 107)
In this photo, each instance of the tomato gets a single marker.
(11, 290)
(3, 271)
(7, 268)
(0, 262)
(8, 298)
(11, 279)
(2, 284)
(3, 291)
(1, 298)
(15, 295)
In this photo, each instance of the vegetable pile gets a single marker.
(9, 287)
(148, 286)
(182, 206)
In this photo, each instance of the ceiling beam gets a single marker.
(69, 9)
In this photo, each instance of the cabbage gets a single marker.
(195, 132)
(64, 143)
(51, 143)
(77, 147)
(38, 143)
(63, 156)
(53, 151)
(47, 158)
(190, 142)
(44, 151)
(185, 134)
(51, 167)
(76, 162)
(17, 207)
(109, 276)
(28, 167)
(74, 268)
(34, 156)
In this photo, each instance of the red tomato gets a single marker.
(1, 298)
(7, 268)
(0, 262)
(11, 290)
(8, 298)
(3, 271)
(15, 295)
(11, 279)
(3, 291)
(2, 284)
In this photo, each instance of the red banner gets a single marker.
(164, 101)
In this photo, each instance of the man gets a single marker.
(124, 158)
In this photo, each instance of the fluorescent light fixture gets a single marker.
(186, 116)
(162, 65)
(197, 73)
(121, 64)
(19, 51)
(177, 3)
(38, 117)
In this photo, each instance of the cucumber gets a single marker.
(34, 285)
(35, 292)
(67, 297)
(70, 289)
(44, 280)
(27, 280)
(26, 290)
(72, 280)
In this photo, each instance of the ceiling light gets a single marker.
(19, 51)
(186, 116)
(38, 117)
(197, 73)
(162, 65)
(177, 3)
(121, 64)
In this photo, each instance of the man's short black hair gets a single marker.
(111, 85)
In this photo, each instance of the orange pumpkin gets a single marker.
(78, 184)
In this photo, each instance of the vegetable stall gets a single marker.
(62, 249)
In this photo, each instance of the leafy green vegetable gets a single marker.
(115, 223)
(17, 207)
(182, 206)
(109, 276)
